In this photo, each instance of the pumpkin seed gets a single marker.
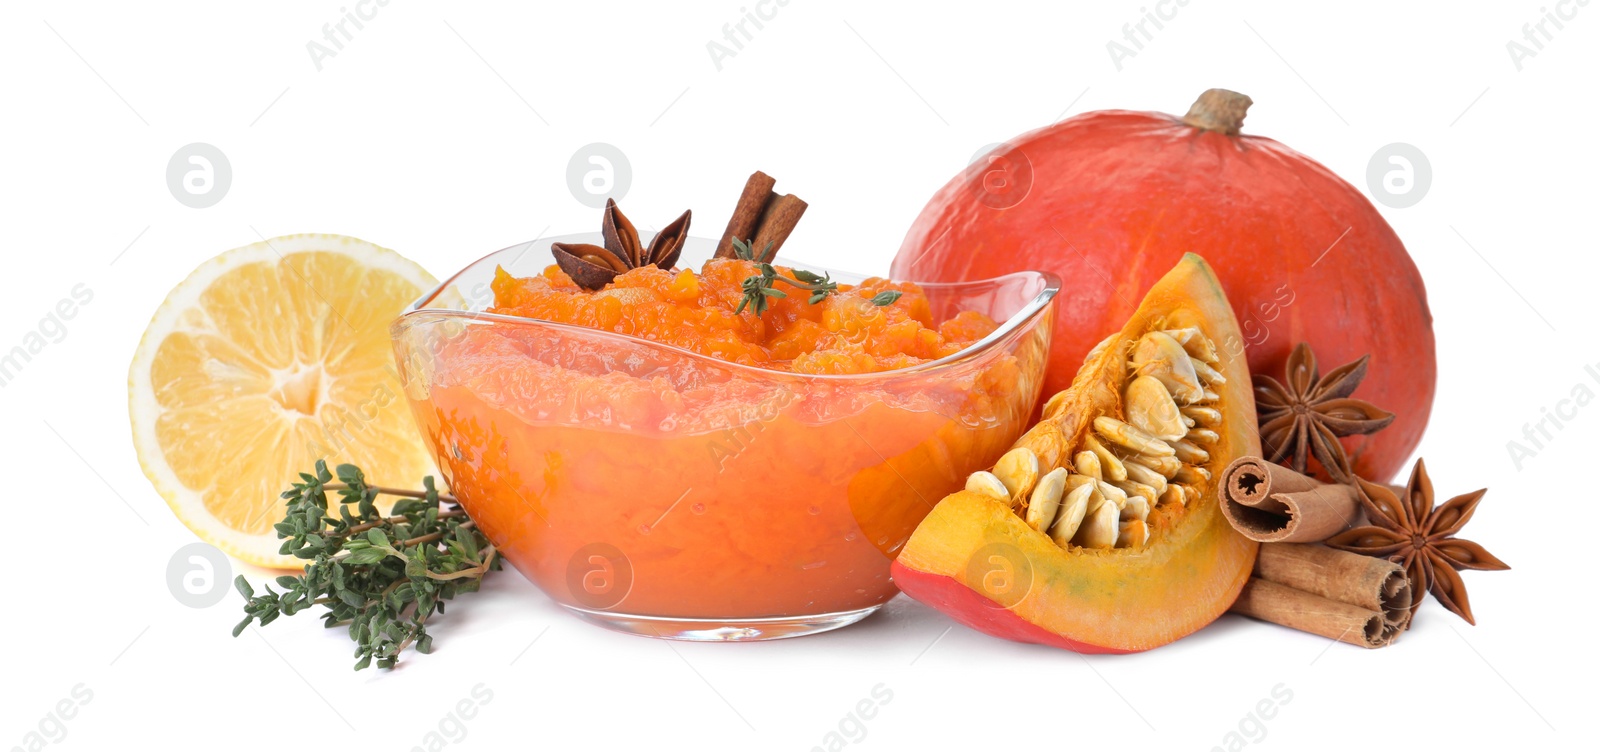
(1159, 355)
(986, 483)
(1087, 463)
(1018, 470)
(1189, 453)
(1203, 436)
(1134, 488)
(1191, 474)
(1046, 442)
(1099, 528)
(1209, 417)
(1133, 534)
(1167, 466)
(1096, 499)
(1206, 373)
(1173, 495)
(1138, 473)
(1138, 508)
(1075, 480)
(1150, 408)
(1129, 437)
(1194, 342)
(1046, 499)
(1110, 464)
(1071, 515)
(1113, 494)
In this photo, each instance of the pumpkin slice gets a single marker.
(1100, 530)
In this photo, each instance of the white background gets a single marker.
(444, 131)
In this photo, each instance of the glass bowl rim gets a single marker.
(1030, 310)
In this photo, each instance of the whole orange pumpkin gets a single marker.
(1111, 200)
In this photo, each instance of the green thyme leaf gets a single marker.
(379, 576)
(758, 287)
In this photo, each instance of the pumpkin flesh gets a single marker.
(976, 559)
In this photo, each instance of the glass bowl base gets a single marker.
(722, 630)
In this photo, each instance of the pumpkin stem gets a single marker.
(1218, 110)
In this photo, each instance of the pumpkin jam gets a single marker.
(740, 479)
(845, 333)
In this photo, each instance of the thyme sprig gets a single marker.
(382, 576)
(759, 288)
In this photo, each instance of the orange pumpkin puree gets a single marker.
(845, 333)
(626, 477)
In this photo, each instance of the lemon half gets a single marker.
(266, 359)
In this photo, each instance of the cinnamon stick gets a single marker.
(747, 213)
(1270, 503)
(1297, 609)
(1339, 595)
(1365, 581)
(782, 214)
(761, 217)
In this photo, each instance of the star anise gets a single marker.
(1421, 537)
(1307, 413)
(594, 267)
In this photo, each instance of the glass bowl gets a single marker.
(661, 492)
